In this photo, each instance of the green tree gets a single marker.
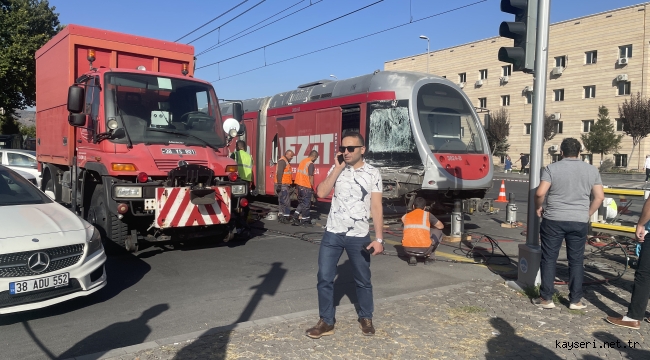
(635, 115)
(25, 26)
(602, 138)
(29, 131)
(498, 131)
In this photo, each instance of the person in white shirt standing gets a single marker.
(647, 168)
(357, 194)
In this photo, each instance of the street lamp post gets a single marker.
(427, 39)
(334, 77)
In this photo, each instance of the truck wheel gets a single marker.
(111, 228)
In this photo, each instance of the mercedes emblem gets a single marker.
(38, 262)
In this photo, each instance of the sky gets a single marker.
(172, 19)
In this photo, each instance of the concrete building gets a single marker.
(594, 60)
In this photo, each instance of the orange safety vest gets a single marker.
(286, 176)
(417, 230)
(302, 174)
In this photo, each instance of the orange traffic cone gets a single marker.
(502, 193)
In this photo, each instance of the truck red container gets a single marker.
(130, 140)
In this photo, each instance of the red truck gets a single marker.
(131, 141)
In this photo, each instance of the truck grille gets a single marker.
(167, 165)
(7, 300)
(15, 264)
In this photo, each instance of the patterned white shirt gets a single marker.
(350, 208)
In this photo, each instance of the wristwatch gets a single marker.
(381, 241)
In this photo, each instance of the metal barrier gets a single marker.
(611, 228)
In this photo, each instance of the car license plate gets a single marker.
(53, 281)
(173, 151)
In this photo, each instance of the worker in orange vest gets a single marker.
(420, 238)
(283, 182)
(305, 185)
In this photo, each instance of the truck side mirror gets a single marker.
(77, 120)
(237, 111)
(76, 99)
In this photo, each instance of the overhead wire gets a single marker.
(228, 41)
(227, 22)
(347, 42)
(218, 16)
(291, 36)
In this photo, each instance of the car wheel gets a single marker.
(110, 226)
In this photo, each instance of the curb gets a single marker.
(127, 350)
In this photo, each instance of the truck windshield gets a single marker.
(390, 138)
(162, 110)
(447, 121)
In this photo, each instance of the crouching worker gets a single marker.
(422, 232)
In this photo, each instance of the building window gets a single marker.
(505, 100)
(590, 92)
(586, 125)
(482, 74)
(527, 128)
(588, 158)
(620, 125)
(503, 159)
(462, 77)
(444, 76)
(625, 51)
(558, 127)
(559, 94)
(560, 61)
(482, 102)
(624, 87)
(529, 97)
(556, 157)
(590, 57)
(507, 70)
(620, 160)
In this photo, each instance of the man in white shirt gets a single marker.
(647, 168)
(357, 194)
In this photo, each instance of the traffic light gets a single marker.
(523, 31)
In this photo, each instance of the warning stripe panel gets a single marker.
(175, 209)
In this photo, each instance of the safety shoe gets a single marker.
(618, 321)
(577, 306)
(321, 329)
(366, 327)
(284, 219)
(544, 304)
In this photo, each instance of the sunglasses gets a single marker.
(349, 148)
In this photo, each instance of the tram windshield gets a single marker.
(390, 139)
(447, 121)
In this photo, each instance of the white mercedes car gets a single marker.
(47, 254)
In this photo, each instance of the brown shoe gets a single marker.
(366, 327)
(321, 329)
(618, 321)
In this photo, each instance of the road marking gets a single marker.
(512, 180)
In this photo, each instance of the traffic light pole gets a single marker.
(530, 253)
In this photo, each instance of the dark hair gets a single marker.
(570, 147)
(242, 143)
(355, 135)
(420, 203)
(313, 153)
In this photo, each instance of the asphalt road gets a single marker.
(159, 293)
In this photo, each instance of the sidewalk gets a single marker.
(472, 320)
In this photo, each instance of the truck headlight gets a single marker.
(95, 242)
(128, 191)
(239, 189)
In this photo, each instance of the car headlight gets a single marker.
(128, 191)
(239, 189)
(95, 242)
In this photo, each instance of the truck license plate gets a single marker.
(174, 151)
(52, 281)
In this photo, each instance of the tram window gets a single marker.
(274, 150)
(389, 128)
(447, 121)
(350, 119)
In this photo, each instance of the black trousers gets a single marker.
(641, 287)
(647, 174)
